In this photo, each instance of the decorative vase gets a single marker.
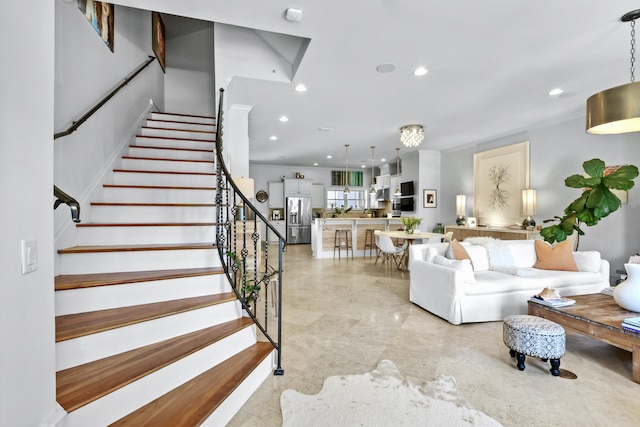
(408, 229)
(439, 228)
(627, 293)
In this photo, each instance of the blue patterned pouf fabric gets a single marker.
(534, 336)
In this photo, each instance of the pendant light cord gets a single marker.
(633, 50)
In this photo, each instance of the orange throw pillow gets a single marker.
(459, 252)
(559, 257)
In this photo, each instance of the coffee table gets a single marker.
(597, 316)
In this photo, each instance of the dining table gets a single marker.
(410, 237)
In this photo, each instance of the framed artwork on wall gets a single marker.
(100, 16)
(157, 38)
(429, 199)
(499, 175)
(472, 221)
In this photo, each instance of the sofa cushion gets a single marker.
(463, 266)
(459, 252)
(559, 257)
(478, 255)
(588, 261)
(493, 282)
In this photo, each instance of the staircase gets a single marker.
(148, 330)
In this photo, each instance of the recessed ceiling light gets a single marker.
(329, 156)
(301, 88)
(273, 137)
(383, 160)
(555, 92)
(284, 119)
(323, 129)
(385, 68)
(362, 166)
(315, 164)
(420, 71)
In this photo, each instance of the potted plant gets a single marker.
(410, 223)
(596, 202)
(250, 287)
(339, 210)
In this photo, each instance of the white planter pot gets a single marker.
(627, 293)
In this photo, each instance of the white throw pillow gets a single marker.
(463, 265)
(587, 261)
(430, 254)
(478, 255)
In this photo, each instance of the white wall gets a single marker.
(85, 71)
(429, 178)
(27, 359)
(557, 151)
(190, 80)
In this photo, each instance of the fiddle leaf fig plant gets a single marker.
(596, 202)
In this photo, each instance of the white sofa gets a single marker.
(500, 282)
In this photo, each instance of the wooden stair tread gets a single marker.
(181, 122)
(183, 115)
(158, 187)
(134, 248)
(163, 172)
(180, 130)
(163, 159)
(78, 281)
(80, 385)
(70, 326)
(194, 401)
(175, 138)
(146, 224)
(152, 147)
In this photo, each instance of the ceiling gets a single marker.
(491, 65)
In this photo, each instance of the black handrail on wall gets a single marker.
(231, 221)
(76, 124)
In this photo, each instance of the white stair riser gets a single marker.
(96, 346)
(160, 153)
(170, 133)
(223, 413)
(167, 165)
(175, 143)
(124, 295)
(142, 178)
(121, 402)
(159, 195)
(89, 236)
(168, 124)
(112, 262)
(185, 119)
(150, 214)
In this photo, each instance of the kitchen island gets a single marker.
(323, 233)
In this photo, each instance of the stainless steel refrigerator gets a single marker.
(298, 220)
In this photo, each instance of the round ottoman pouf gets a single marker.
(534, 336)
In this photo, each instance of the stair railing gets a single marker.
(76, 124)
(61, 196)
(244, 250)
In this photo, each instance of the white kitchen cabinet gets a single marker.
(281, 226)
(276, 195)
(383, 181)
(297, 187)
(317, 196)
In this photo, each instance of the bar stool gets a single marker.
(369, 241)
(339, 243)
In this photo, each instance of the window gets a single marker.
(354, 199)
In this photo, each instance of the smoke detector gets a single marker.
(294, 15)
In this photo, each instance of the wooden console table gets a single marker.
(597, 316)
(461, 232)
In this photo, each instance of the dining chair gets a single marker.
(391, 252)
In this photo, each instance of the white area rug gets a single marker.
(381, 398)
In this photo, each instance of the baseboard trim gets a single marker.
(55, 418)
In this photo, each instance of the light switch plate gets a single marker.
(29, 252)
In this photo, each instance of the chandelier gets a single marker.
(411, 135)
(616, 110)
(398, 191)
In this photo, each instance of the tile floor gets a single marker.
(343, 317)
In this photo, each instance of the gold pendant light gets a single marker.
(617, 110)
(398, 191)
(373, 161)
(346, 170)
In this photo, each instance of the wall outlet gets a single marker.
(29, 252)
